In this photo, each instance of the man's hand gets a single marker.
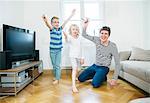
(112, 82)
(85, 23)
(81, 61)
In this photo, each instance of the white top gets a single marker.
(75, 45)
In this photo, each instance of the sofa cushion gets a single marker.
(124, 55)
(140, 69)
(140, 54)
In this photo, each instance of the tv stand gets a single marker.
(19, 63)
(19, 77)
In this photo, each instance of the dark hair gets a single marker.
(54, 17)
(106, 28)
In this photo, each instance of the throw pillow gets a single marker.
(124, 55)
(140, 54)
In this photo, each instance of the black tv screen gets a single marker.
(20, 42)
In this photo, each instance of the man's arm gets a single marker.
(84, 34)
(47, 23)
(66, 21)
(117, 63)
(113, 81)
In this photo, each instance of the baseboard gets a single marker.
(63, 71)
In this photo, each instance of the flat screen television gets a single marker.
(19, 42)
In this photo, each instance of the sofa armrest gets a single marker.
(124, 55)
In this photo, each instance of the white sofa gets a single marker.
(136, 72)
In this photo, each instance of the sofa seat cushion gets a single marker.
(140, 69)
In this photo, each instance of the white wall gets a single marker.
(33, 12)
(127, 21)
(11, 12)
(148, 25)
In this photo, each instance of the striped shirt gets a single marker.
(104, 53)
(56, 38)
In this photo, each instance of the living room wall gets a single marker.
(11, 13)
(129, 21)
(148, 27)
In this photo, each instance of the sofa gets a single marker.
(135, 67)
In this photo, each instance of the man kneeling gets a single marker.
(105, 49)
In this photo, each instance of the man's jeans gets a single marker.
(97, 73)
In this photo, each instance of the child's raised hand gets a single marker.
(43, 16)
(73, 11)
(65, 35)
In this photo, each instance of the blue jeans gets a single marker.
(97, 73)
(55, 55)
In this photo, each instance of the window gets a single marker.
(93, 9)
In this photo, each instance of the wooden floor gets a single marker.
(42, 91)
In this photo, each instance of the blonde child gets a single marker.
(56, 43)
(75, 53)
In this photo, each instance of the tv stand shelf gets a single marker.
(33, 69)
